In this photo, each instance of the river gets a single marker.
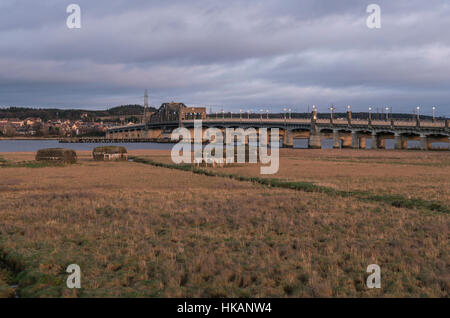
(15, 145)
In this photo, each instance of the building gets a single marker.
(176, 112)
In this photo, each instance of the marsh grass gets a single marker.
(139, 230)
(413, 175)
(31, 164)
(394, 200)
(5, 290)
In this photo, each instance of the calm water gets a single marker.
(34, 145)
(328, 144)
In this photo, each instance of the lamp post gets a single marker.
(261, 112)
(370, 114)
(349, 115)
(223, 114)
(216, 115)
(418, 112)
(240, 114)
(387, 113)
(231, 115)
(248, 114)
(434, 114)
(331, 114)
(290, 114)
(267, 111)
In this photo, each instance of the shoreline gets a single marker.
(29, 138)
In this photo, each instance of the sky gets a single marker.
(234, 54)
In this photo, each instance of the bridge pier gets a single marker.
(288, 139)
(424, 144)
(378, 142)
(400, 142)
(355, 140)
(315, 140)
(374, 140)
(358, 140)
(336, 140)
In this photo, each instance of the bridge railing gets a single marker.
(437, 124)
(410, 122)
(360, 122)
(253, 120)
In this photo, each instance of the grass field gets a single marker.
(140, 230)
(412, 174)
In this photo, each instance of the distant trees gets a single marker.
(71, 114)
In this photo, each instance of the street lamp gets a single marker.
(331, 112)
(267, 114)
(284, 109)
(434, 113)
(418, 112)
(387, 113)
(248, 114)
(370, 113)
(240, 114)
(223, 114)
(261, 112)
(290, 114)
(231, 115)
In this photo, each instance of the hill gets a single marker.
(71, 114)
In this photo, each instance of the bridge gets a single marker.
(345, 132)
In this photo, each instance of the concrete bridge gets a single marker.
(345, 132)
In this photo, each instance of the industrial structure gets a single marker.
(345, 132)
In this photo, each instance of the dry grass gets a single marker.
(412, 174)
(138, 230)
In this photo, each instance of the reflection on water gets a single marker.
(390, 144)
(34, 145)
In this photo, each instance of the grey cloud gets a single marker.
(235, 53)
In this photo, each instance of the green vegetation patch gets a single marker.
(5, 290)
(31, 283)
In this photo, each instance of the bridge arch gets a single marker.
(435, 141)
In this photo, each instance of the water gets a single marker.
(303, 143)
(390, 144)
(34, 145)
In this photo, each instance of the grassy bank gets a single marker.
(412, 175)
(137, 230)
(394, 200)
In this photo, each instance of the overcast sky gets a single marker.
(239, 54)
